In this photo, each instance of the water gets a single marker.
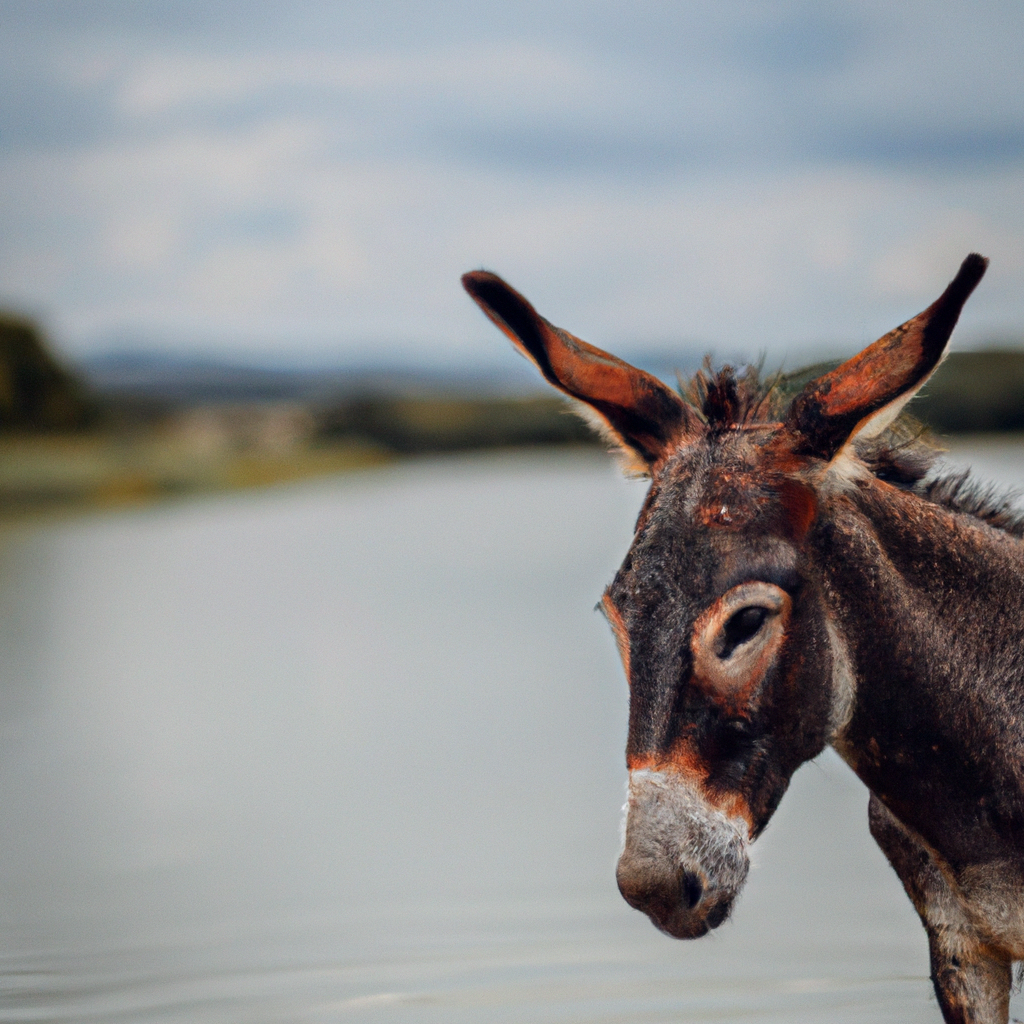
(352, 751)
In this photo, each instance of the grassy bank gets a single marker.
(52, 473)
(232, 446)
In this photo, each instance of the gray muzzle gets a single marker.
(684, 861)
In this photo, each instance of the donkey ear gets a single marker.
(635, 409)
(864, 395)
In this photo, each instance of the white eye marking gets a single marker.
(736, 639)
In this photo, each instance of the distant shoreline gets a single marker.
(145, 429)
(57, 476)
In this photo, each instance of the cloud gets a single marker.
(753, 175)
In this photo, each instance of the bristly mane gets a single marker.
(962, 493)
(724, 399)
(904, 455)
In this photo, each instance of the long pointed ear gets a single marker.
(864, 395)
(635, 409)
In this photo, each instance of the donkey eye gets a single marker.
(737, 639)
(740, 628)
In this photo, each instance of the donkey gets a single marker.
(799, 578)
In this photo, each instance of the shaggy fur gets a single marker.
(904, 455)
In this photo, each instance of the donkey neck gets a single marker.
(930, 604)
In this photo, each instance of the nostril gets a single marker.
(691, 889)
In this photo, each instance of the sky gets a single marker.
(306, 181)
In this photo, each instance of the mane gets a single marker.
(961, 492)
(904, 455)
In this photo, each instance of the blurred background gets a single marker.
(349, 747)
(224, 204)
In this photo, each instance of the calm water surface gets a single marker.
(352, 752)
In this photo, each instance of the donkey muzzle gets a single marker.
(684, 861)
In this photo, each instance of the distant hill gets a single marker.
(972, 391)
(181, 380)
(36, 391)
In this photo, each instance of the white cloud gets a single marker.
(521, 75)
(700, 187)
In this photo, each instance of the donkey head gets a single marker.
(736, 673)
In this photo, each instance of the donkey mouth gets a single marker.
(683, 925)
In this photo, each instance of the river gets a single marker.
(352, 750)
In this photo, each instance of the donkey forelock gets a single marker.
(903, 455)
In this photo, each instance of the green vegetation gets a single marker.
(423, 425)
(231, 446)
(66, 445)
(50, 472)
(975, 391)
(36, 392)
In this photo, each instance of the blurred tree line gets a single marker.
(36, 392)
(972, 391)
(975, 391)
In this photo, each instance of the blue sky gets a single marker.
(307, 181)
